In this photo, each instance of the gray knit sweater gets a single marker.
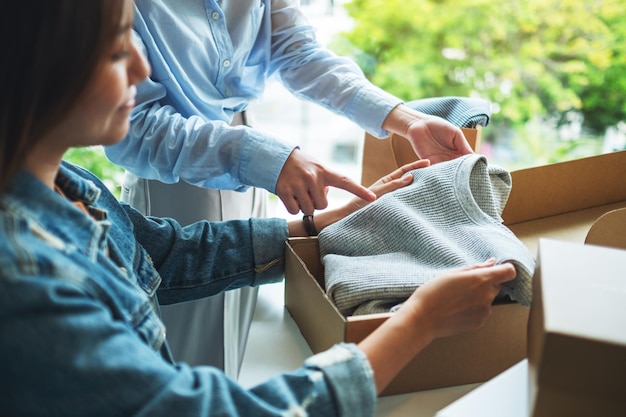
(449, 217)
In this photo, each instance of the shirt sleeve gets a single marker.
(235, 253)
(353, 386)
(315, 73)
(165, 145)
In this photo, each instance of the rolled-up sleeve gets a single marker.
(349, 377)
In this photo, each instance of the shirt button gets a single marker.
(228, 93)
(215, 15)
(226, 63)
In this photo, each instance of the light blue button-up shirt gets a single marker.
(209, 60)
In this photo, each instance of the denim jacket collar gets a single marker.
(29, 196)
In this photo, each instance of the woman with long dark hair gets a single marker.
(82, 276)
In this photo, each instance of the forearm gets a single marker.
(400, 118)
(315, 73)
(394, 344)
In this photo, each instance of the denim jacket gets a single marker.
(80, 333)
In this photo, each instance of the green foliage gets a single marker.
(94, 159)
(530, 147)
(532, 58)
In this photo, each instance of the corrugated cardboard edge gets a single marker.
(304, 295)
(563, 201)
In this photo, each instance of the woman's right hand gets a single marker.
(453, 303)
(460, 300)
(391, 182)
(384, 185)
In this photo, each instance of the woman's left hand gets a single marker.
(386, 184)
(397, 179)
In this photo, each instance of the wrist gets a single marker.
(400, 118)
(329, 216)
(413, 316)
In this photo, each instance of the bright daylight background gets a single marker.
(554, 71)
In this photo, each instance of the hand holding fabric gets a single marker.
(432, 137)
(457, 302)
(460, 300)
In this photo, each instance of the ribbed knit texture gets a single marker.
(448, 218)
(460, 111)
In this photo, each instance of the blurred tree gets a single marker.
(532, 58)
(94, 159)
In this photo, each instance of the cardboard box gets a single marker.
(568, 355)
(577, 331)
(463, 359)
(561, 201)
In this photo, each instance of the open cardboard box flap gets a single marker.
(559, 201)
(609, 230)
(563, 200)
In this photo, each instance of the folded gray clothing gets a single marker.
(448, 218)
(460, 111)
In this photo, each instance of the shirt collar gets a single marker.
(27, 197)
